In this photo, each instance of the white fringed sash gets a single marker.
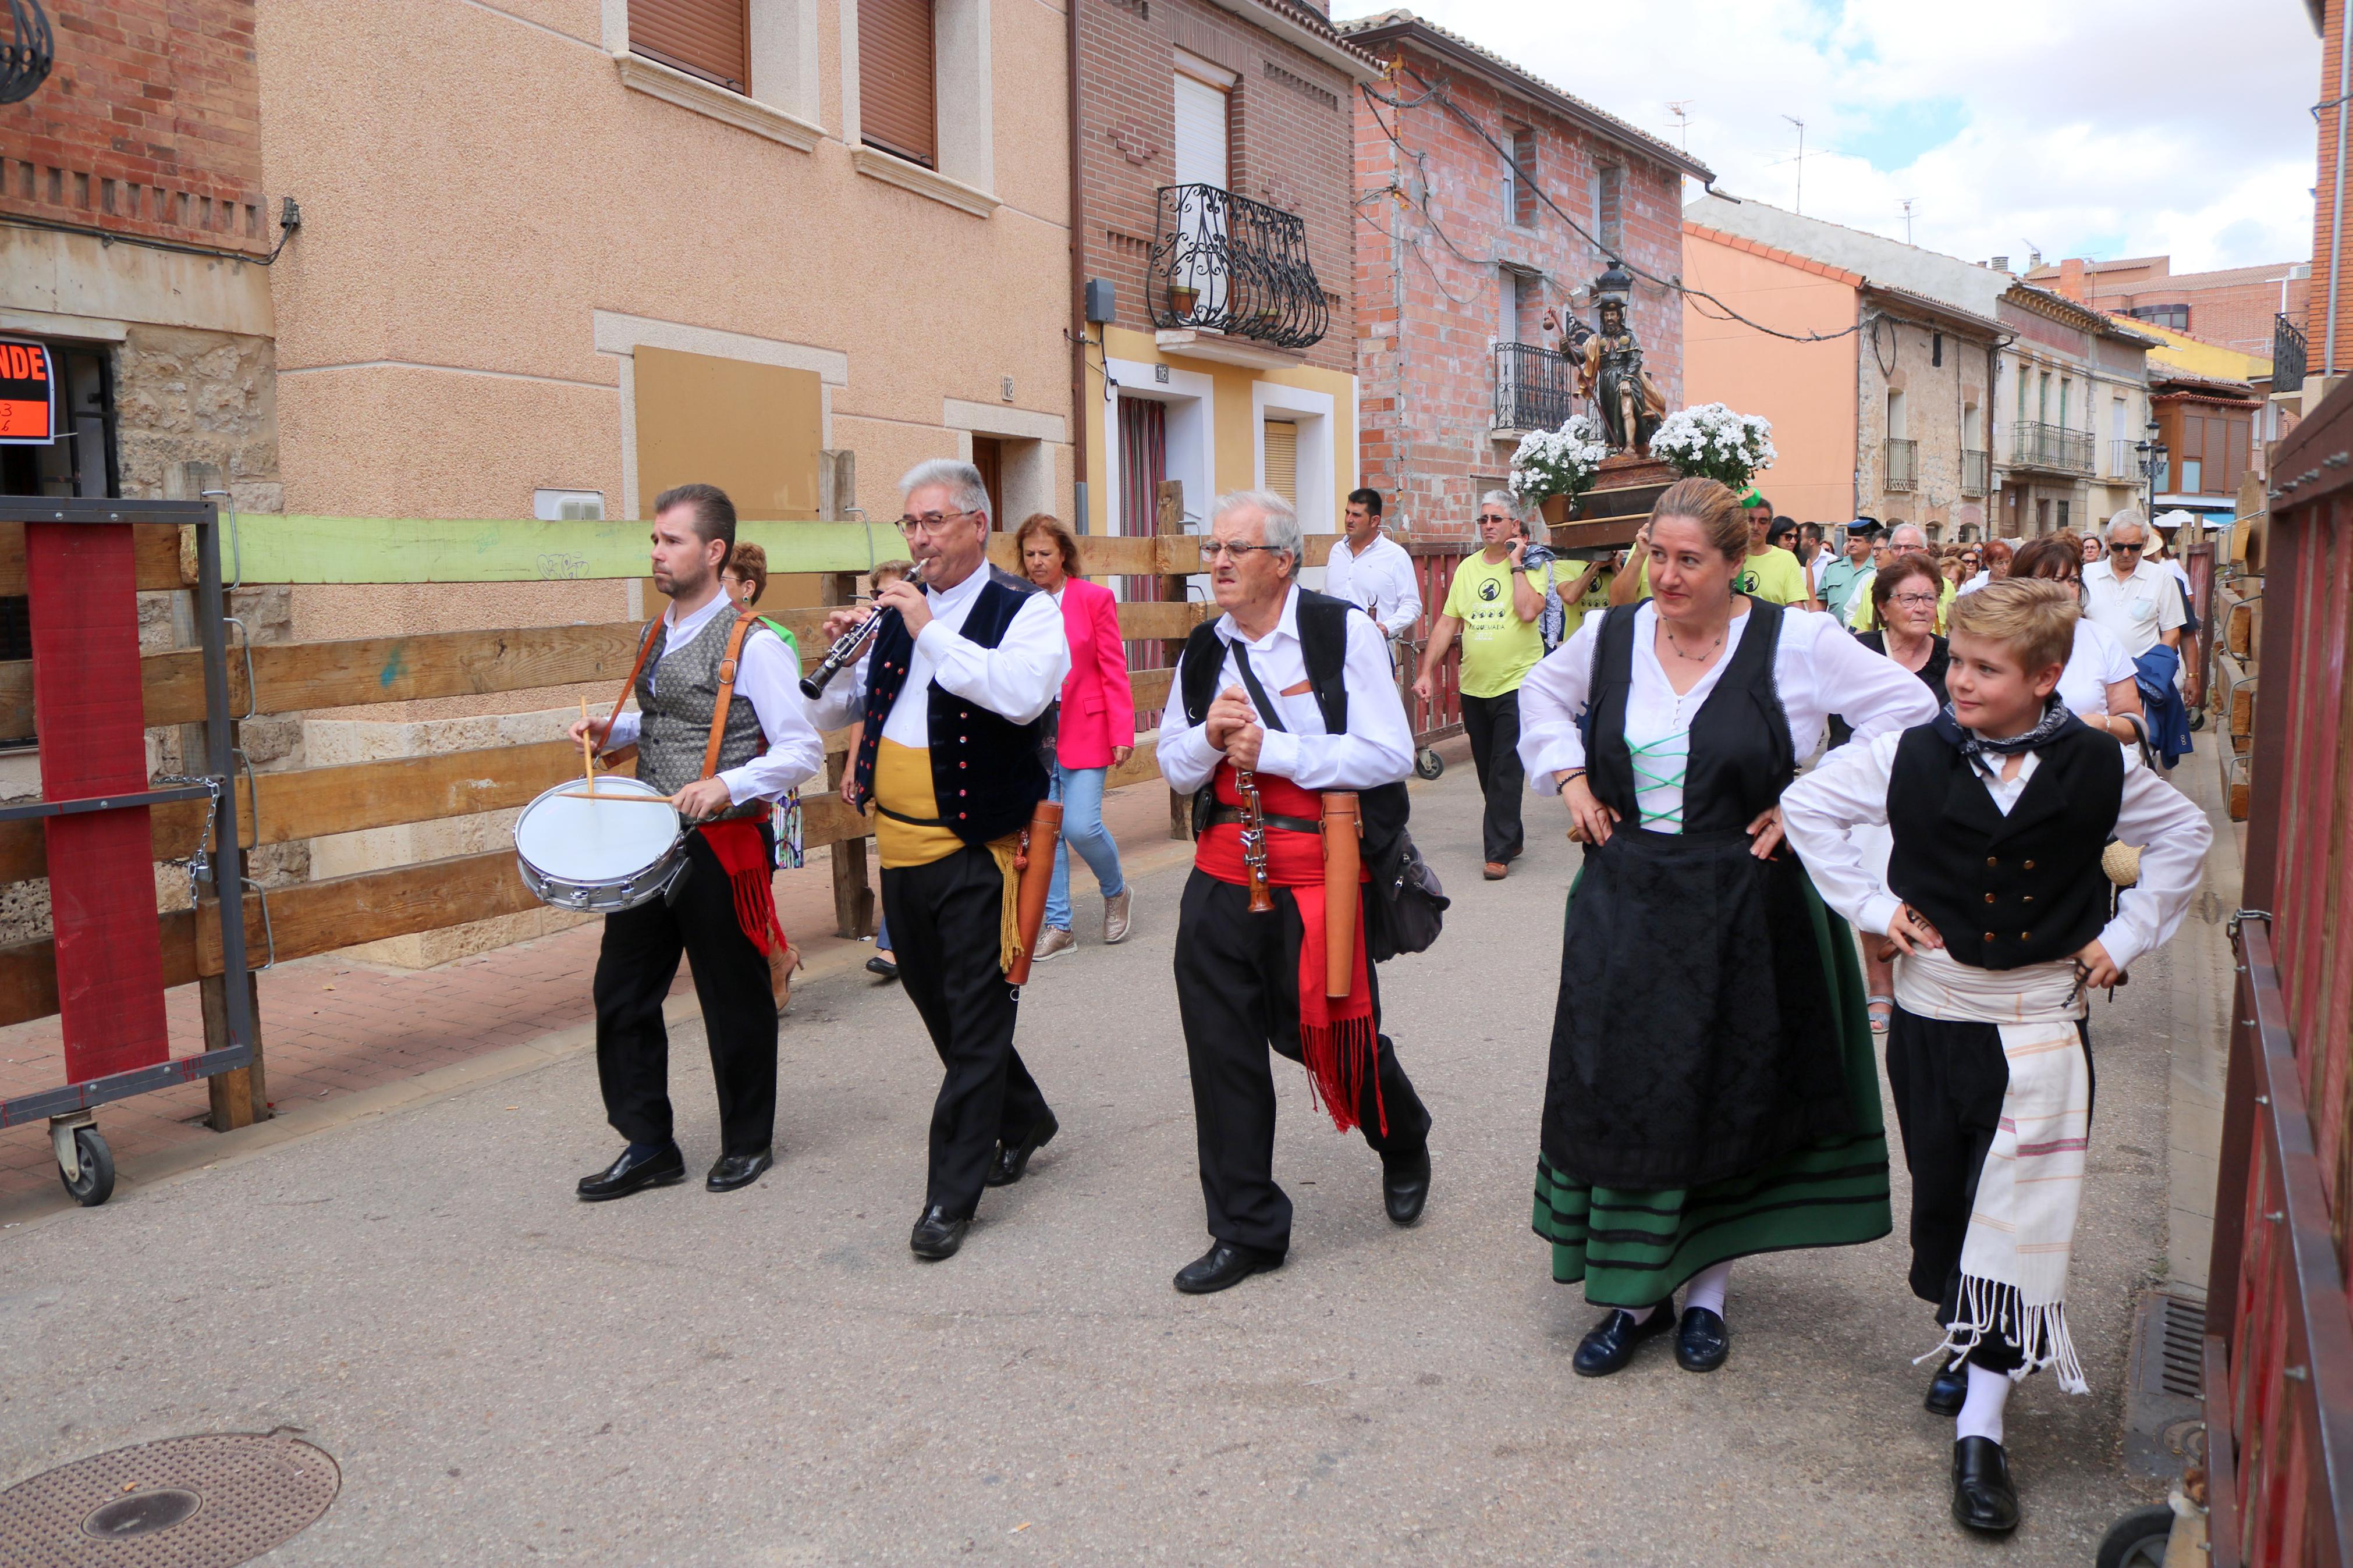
(2022, 1229)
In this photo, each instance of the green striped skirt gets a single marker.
(1634, 1248)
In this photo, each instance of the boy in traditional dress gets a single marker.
(1998, 908)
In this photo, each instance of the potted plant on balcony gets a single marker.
(1182, 298)
(1553, 468)
(1710, 441)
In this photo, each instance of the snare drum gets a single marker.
(616, 850)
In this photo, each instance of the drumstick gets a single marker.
(635, 799)
(587, 749)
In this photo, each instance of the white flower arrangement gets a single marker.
(1560, 462)
(1711, 441)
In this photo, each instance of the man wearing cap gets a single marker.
(1904, 539)
(1834, 580)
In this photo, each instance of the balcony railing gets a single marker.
(2052, 448)
(1903, 463)
(1976, 474)
(1223, 263)
(2289, 352)
(2124, 460)
(1535, 389)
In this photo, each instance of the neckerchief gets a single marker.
(1975, 746)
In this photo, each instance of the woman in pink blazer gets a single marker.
(1096, 731)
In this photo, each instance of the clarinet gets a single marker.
(1262, 897)
(844, 653)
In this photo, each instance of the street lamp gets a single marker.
(2153, 455)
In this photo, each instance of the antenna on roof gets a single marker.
(1798, 206)
(1681, 109)
(1907, 218)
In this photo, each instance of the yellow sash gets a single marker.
(903, 783)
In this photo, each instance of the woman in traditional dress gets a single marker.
(1712, 1091)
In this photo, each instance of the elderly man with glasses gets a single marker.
(2138, 600)
(1494, 602)
(1274, 706)
(954, 773)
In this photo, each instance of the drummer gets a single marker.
(724, 914)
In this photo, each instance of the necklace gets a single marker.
(1701, 657)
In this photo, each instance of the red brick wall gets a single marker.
(1426, 414)
(2315, 307)
(1291, 134)
(150, 125)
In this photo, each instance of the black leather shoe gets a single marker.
(1946, 1391)
(883, 967)
(1701, 1341)
(938, 1234)
(1226, 1264)
(1405, 1186)
(1611, 1344)
(735, 1171)
(626, 1175)
(1983, 1498)
(1012, 1159)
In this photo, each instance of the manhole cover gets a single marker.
(185, 1502)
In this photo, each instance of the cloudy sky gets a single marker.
(2098, 127)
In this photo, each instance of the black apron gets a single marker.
(1693, 1039)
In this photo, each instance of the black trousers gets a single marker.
(1237, 994)
(634, 970)
(1947, 1080)
(1493, 725)
(944, 923)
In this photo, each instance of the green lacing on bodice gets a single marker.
(1650, 760)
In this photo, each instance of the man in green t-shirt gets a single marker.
(1494, 602)
(1769, 573)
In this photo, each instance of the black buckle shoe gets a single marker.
(938, 1234)
(734, 1171)
(627, 1175)
(1701, 1341)
(1611, 1344)
(1405, 1187)
(1011, 1160)
(1226, 1264)
(1983, 1497)
(1948, 1390)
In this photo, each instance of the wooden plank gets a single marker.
(29, 970)
(320, 916)
(1140, 621)
(282, 548)
(156, 551)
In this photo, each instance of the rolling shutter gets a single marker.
(1201, 137)
(709, 39)
(895, 81)
(1282, 458)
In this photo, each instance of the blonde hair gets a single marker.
(2032, 617)
(1712, 506)
(890, 572)
(750, 562)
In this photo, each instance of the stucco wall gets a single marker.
(1900, 355)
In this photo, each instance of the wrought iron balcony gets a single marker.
(1535, 389)
(2289, 352)
(1903, 463)
(2124, 458)
(2054, 448)
(1223, 263)
(1975, 474)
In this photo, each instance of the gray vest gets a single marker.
(675, 715)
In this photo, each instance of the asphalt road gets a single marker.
(508, 1375)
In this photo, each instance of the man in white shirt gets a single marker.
(2134, 598)
(722, 915)
(1372, 570)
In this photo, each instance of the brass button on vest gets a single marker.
(1993, 859)
(2026, 936)
(1989, 898)
(2029, 864)
(1988, 936)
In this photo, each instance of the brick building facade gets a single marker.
(1463, 254)
(2235, 306)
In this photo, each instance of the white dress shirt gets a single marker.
(1984, 576)
(2135, 608)
(1376, 749)
(1017, 680)
(1381, 582)
(2097, 662)
(766, 676)
(1850, 790)
(1818, 669)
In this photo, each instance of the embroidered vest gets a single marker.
(675, 698)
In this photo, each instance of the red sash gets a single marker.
(1337, 1041)
(744, 857)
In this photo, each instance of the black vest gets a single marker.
(986, 775)
(1741, 754)
(2005, 891)
(1324, 644)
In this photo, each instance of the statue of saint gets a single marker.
(1623, 399)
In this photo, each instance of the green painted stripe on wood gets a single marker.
(271, 547)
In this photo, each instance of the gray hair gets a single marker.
(1505, 499)
(964, 486)
(1280, 519)
(1919, 539)
(2128, 518)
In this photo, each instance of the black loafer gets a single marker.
(1611, 1344)
(1226, 1264)
(1701, 1341)
(938, 1234)
(883, 967)
(735, 1171)
(634, 1174)
(1983, 1498)
(1946, 1391)
(1405, 1186)
(1012, 1159)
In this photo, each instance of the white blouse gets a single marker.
(2096, 660)
(1817, 669)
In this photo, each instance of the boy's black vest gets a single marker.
(1324, 641)
(987, 774)
(2005, 891)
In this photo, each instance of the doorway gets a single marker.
(1143, 470)
(988, 457)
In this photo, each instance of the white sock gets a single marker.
(1641, 1314)
(1980, 1413)
(1707, 1289)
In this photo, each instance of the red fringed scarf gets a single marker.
(1337, 1041)
(743, 855)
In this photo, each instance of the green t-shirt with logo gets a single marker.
(1498, 647)
(1775, 575)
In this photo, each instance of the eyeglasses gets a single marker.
(1493, 516)
(2125, 549)
(1969, 558)
(1914, 601)
(1213, 548)
(930, 523)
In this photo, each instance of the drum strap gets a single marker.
(743, 623)
(645, 646)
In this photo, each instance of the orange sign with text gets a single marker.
(28, 394)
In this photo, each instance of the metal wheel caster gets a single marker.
(85, 1164)
(2138, 1540)
(1428, 763)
